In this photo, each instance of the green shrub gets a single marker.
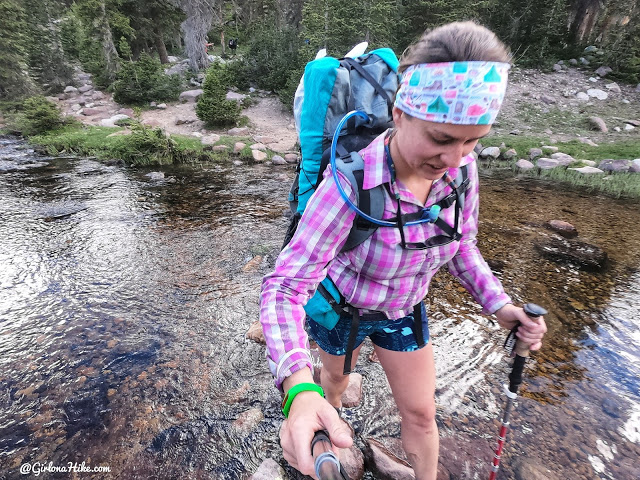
(144, 81)
(239, 73)
(213, 107)
(39, 115)
(146, 146)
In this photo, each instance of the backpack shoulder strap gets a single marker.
(370, 201)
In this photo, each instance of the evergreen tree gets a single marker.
(14, 79)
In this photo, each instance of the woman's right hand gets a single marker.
(310, 413)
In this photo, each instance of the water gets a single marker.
(125, 302)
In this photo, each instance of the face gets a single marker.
(428, 149)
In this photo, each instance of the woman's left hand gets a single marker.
(530, 330)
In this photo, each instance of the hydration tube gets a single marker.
(432, 212)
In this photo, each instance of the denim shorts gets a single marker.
(395, 335)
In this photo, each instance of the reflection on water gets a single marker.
(124, 303)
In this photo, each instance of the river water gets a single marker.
(125, 301)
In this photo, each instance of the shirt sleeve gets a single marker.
(468, 265)
(300, 267)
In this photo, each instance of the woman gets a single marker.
(452, 83)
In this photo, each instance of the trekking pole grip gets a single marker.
(533, 311)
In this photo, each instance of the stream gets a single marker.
(126, 299)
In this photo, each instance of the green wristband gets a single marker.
(295, 390)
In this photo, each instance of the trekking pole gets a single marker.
(515, 379)
(326, 463)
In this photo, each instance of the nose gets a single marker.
(452, 155)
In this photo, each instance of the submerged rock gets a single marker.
(581, 254)
(532, 469)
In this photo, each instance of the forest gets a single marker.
(43, 41)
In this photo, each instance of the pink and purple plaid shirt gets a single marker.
(377, 275)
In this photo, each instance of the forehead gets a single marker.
(451, 131)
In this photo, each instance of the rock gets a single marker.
(611, 407)
(610, 165)
(291, 158)
(535, 153)
(548, 100)
(127, 111)
(493, 152)
(111, 122)
(258, 146)
(258, 156)
(549, 149)
(196, 134)
(614, 87)
(590, 49)
(597, 93)
(237, 163)
(587, 142)
(269, 470)
(253, 264)
(515, 132)
(238, 147)
(589, 163)
(596, 123)
(603, 71)
(76, 107)
(563, 158)
(97, 95)
(220, 148)
(255, 332)
(384, 464)
(510, 154)
(238, 97)
(547, 163)
(617, 129)
(247, 421)
(629, 127)
(532, 469)
(635, 166)
(184, 121)
(573, 61)
(252, 90)
(563, 228)
(638, 88)
(161, 106)
(85, 88)
(523, 164)
(88, 112)
(264, 139)
(581, 254)
(557, 68)
(70, 89)
(584, 61)
(582, 96)
(587, 170)
(593, 79)
(155, 175)
(172, 59)
(278, 160)
(353, 394)
(478, 148)
(210, 139)
(238, 131)
(191, 95)
(352, 461)
(635, 123)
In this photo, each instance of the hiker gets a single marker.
(452, 83)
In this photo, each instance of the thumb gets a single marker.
(339, 432)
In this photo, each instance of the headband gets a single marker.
(463, 93)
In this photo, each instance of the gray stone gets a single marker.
(587, 141)
(563, 228)
(258, 156)
(548, 100)
(161, 106)
(210, 139)
(584, 61)
(353, 394)
(514, 132)
(588, 170)
(70, 89)
(593, 79)
(238, 131)
(177, 69)
(264, 139)
(617, 129)
(597, 93)
(549, 149)
(196, 134)
(258, 146)
(534, 153)
(291, 158)
(547, 163)
(610, 165)
(638, 88)
(557, 68)
(238, 147)
(247, 421)
(635, 166)
(85, 88)
(238, 97)
(573, 61)
(493, 152)
(88, 112)
(278, 160)
(172, 59)
(596, 123)
(591, 49)
(603, 71)
(614, 87)
(269, 470)
(97, 95)
(237, 163)
(191, 95)
(629, 127)
(589, 163)
(220, 148)
(563, 158)
(523, 164)
(582, 96)
(155, 175)
(75, 107)
(184, 121)
(510, 154)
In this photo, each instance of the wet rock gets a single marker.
(248, 421)
(352, 460)
(563, 158)
(238, 131)
(581, 254)
(547, 163)
(610, 165)
(210, 139)
(534, 153)
(611, 407)
(278, 160)
(191, 95)
(463, 458)
(563, 228)
(490, 152)
(597, 93)
(258, 156)
(269, 470)
(291, 158)
(532, 469)
(238, 147)
(384, 464)
(255, 333)
(596, 123)
(353, 394)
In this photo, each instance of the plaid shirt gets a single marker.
(377, 275)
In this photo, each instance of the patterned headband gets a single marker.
(463, 93)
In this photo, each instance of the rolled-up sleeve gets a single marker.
(300, 267)
(468, 265)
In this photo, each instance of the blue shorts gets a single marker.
(395, 335)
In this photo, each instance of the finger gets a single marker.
(338, 431)
(302, 452)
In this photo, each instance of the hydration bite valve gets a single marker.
(430, 214)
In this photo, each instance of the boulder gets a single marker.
(291, 158)
(278, 160)
(111, 122)
(510, 154)
(264, 139)
(178, 69)
(85, 88)
(548, 100)
(584, 61)
(614, 87)
(587, 141)
(584, 255)
(197, 135)
(573, 62)
(635, 166)
(238, 147)
(161, 106)
(352, 461)
(587, 170)
(533, 469)
(127, 111)
(220, 148)
(352, 396)
(547, 163)
(238, 131)
(549, 149)
(384, 464)
(155, 175)
(557, 68)
(191, 95)
(490, 152)
(563, 228)
(628, 127)
(238, 97)
(603, 71)
(610, 165)
(258, 155)
(582, 96)
(97, 95)
(596, 123)
(269, 470)
(70, 89)
(523, 164)
(172, 59)
(563, 158)
(597, 93)
(534, 153)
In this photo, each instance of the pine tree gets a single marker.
(14, 79)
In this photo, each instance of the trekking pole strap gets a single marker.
(353, 333)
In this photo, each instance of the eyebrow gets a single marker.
(449, 137)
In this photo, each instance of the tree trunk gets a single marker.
(160, 46)
(195, 27)
(108, 48)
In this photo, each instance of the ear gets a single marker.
(398, 116)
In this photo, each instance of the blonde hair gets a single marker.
(455, 42)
